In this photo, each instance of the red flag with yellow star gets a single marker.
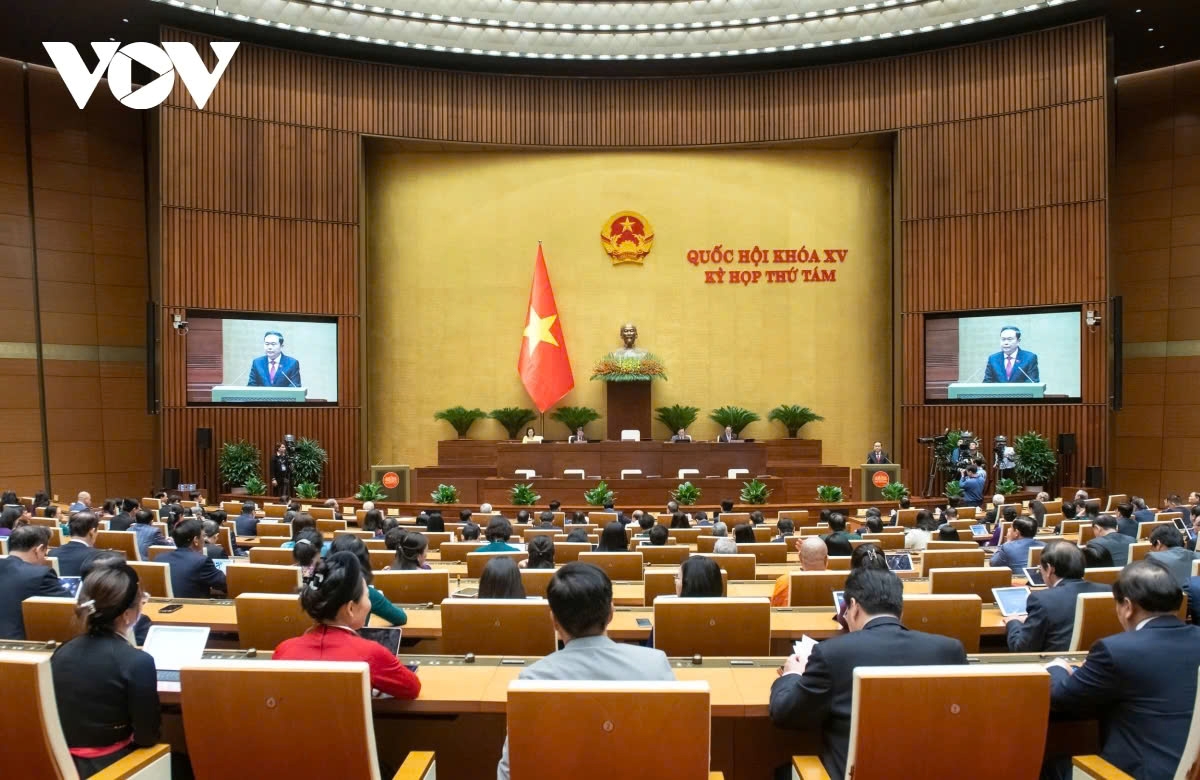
(543, 364)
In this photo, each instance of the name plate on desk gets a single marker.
(238, 394)
(969, 391)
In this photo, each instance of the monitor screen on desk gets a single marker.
(1014, 356)
(260, 360)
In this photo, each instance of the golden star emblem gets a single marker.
(627, 225)
(538, 330)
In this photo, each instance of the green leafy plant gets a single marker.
(308, 461)
(575, 417)
(794, 417)
(734, 417)
(307, 490)
(894, 491)
(599, 495)
(238, 462)
(1006, 487)
(513, 418)
(445, 494)
(686, 494)
(255, 487)
(944, 451)
(755, 492)
(1036, 461)
(460, 418)
(953, 489)
(370, 491)
(677, 416)
(829, 494)
(524, 495)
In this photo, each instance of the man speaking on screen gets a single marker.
(1011, 363)
(274, 369)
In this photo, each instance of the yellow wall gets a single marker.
(451, 242)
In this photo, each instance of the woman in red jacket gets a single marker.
(336, 598)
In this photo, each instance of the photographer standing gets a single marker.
(281, 471)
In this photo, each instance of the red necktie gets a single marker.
(1008, 366)
(273, 371)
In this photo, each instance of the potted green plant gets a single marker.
(575, 417)
(255, 487)
(1036, 461)
(686, 494)
(893, 491)
(793, 418)
(307, 490)
(599, 495)
(734, 417)
(953, 490)
(677, 416)
(460, 418)
(829, 494)
(370, 491)
(237, 462)
(1006, 487)
(445, 494)
(755, 492)
(513, 418)
(524, 495)
(308, 461)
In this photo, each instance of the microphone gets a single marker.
(1027, 376)
(237, 381)
(289, 379)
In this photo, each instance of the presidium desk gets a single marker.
(607, 459)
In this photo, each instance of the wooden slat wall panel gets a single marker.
(1001, 177)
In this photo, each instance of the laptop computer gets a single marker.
(174, 647)
(1011, 601)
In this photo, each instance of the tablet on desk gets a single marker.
(1033, 575)
(979, 529)
(899, 561)
(220, 563)
(838, 600)
(71, 584)
(465, 593)
(1011, 601)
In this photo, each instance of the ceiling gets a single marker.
(1146, 33)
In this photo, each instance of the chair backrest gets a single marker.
(798, 517)
(690, 535)
(121, 541)
(272, 510)
(532, 533)
(30, 730)
(1096, 618)
(1115, 500)
(815, 588)
(252, 697)
(261, 578)
(1087, 532)
(956, 698)
(225, 539)
(975, 579)
(1189, 761)
(1145, 529)
(155, 578)
(477, 561)
(739, 566)
(957, 616)
(276, 556)
(497, 627)
(1138, 551)
(734, 519)
(329, 525)
(457, 551)
(565, 552)
(619, 712)
(414, 586)
(661, 582)
(320, 513)
(381, 559)
(768, 552)
(266, 619)
(601, 519)
(838, 562)
(49, 619)
(938, 544)
(665, 555)
(617, 565)
(906, 517)
(1105, 575)
(535, 581)
(705, 544)
(155, 550)
(764, 533)
(1053, 507)
(950, 559)
(233, 508)
(708, 626)
(1035, 555)
(437, 538)
(274, 529)
(887, 541)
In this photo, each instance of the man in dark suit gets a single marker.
(1109, 537)
(1011, 363)
(817, 690)
(246, 524)
(1166, 547)
(123, 520)
(1050, 613)
(877, 455)
(1142, 682)
(193, 574)
(79, 546)
(24, 573)
(274, 369)
(1141, 514)
(727, 436)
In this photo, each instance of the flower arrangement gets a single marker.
(612, 368)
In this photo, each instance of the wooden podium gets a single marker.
(868, 490)
(628, 408)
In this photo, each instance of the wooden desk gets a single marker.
(608, 458)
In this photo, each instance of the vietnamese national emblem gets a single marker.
(627, 237)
